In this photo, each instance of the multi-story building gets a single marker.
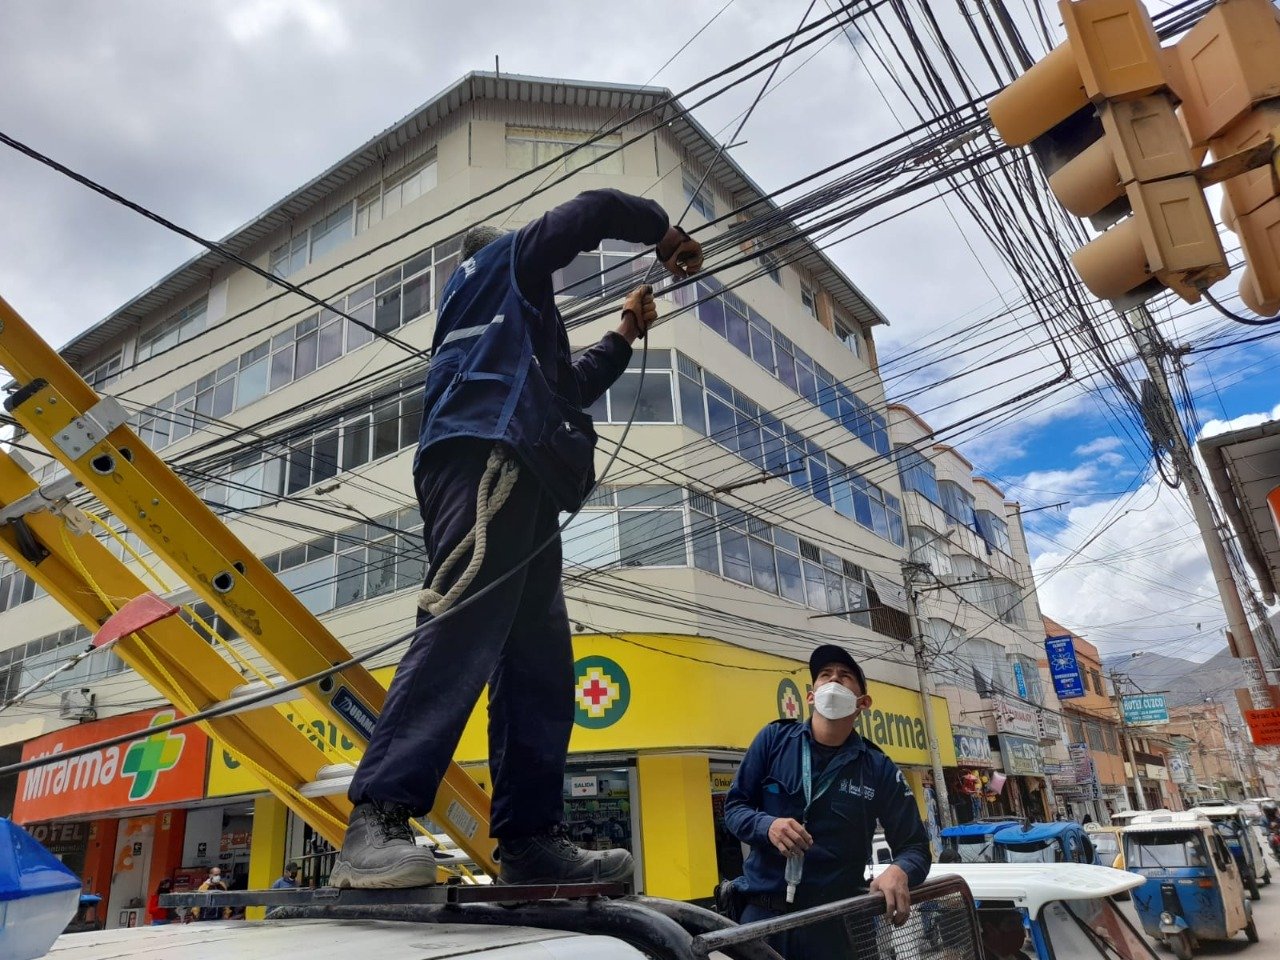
(1212, 762)
(977, 605)
(1094, 784)
(754, 512)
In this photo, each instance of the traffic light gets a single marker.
(1227, 72)
(1100, 116)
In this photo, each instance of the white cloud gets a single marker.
(1214, 427)
(1099, 445)
(261, 21)
(1130, 572)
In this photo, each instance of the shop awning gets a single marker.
(1244, 466)
(891, 594)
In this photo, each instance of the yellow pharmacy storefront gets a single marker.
(661, 723)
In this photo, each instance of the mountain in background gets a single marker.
(1185, 680)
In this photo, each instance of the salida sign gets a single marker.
(157, 768)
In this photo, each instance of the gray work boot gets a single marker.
(550, 857)
(378, 850)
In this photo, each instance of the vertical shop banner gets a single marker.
(155, 769)
(1063, 667)
(1020, 679)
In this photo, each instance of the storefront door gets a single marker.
(126, 906)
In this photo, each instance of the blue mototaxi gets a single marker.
(1192, 889)
(972, 841)
(1234, 829)
(1058, 842)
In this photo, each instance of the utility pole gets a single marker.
(1139, 797)
(1146, 339)
(910, 573)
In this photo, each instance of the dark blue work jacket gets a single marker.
(867, 786)
(501, 367)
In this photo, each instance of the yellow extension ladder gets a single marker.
(90, 436)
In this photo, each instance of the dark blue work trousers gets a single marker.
(516, 638)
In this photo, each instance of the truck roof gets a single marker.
(332, 940)
(1032, 885)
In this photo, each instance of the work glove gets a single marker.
(679, 253)
(639, 311)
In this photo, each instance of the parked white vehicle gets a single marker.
(1051, 910)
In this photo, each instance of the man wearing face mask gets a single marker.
(816, 789)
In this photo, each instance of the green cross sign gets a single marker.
(146, 759)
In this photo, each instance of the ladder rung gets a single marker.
(249, 689)
(330, 781)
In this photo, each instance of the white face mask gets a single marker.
(835, 701)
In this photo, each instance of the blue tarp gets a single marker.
(27, 869)
(977, 829)
(1039, 831)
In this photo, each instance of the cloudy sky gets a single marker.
(208, 113)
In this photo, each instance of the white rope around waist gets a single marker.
(496, 484)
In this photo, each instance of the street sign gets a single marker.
(1264, 726)
(1022, 757)
(1014, 717)
(1063, 667)
(973, 749)
(1144, 709)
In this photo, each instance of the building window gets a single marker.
(609, 271)
(639, 526)
(399, 296)
(744, 327)
(918, 474)
(331, 232)
(988, 667)
(396, 191)
(738, 547)
(846, 334)
(529, 147)
(359, 563)
(23, 665)
(698, 197)
(179, 328)
(657, 399)
(772, 267)
(957, 503)
(1093, 736)
(725, 415)
(1007, 600)
(993, 530)
(808, 301)
(289, 257)
(104, 372)
(1096, 677)
(16, 587)
(931, 548)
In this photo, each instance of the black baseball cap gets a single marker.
(830, 653)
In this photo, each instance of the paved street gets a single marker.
(1267, 913)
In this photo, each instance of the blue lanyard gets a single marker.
(806, 776)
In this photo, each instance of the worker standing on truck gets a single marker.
(814, 791)
(503, 423)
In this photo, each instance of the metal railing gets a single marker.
(942, 924)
